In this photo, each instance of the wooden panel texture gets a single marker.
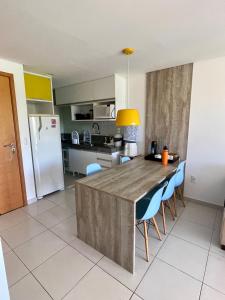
(107, 223)
(168, 108)
(130, 181)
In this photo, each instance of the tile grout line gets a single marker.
(49, 229)
(115, 277)
(67, 244)
(194, 244)
(31, 271)
(79, 280)
(39, 284)
(157, 253)
(207, 256)
(46, 229)
(95, 264)
(223, 294)
(179, 269)
(36, 235)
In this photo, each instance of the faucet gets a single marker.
(96, 128)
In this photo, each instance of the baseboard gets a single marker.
(32, 200)
(204, 203)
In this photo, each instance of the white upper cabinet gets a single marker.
(104, 88)
(111, 87)
(74, 93)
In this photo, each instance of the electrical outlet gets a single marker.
(193, 179)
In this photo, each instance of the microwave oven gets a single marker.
(104, 111)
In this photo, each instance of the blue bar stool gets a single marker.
(93, 168)
(124, 159)
(146, 209)
(167, 195)
(179, 180)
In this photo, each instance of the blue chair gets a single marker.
(146, 209)
(93, 168)
(167, 195)
(179, 180)
(124, 159)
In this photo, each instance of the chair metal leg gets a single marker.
(174, 203)
(171, 210)
(156, 228)
(163, 216)
(146, 239)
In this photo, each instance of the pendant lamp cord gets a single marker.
(128, 79)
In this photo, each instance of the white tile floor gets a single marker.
(45, 260)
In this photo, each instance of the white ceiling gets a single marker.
(78, 40)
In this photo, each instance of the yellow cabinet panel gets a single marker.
(38, 87)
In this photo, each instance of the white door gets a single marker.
(47, 154)
(4, 291)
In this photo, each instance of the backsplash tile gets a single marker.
(67, 125)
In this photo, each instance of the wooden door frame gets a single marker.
(17, 133)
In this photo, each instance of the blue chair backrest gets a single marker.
(149, 205)
(93, 168)
(168, 192)
(180, 174)
(124, 159)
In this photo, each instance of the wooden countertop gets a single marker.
(131, 180)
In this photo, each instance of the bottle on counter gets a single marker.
(165, 154)
(118, 138)
(153, 149)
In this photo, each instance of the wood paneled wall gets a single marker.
(168, 108)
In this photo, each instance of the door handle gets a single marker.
(11, 146)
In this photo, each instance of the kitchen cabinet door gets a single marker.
(108, 160)
(86, 159)
(79, 159)
(74, 160)
(104, 88)
(81, 92)
(38, 87)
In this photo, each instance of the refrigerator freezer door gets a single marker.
(47, 154)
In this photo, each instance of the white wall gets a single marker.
(17, 71)
(4, 290)
(137, 99)
(206, 141)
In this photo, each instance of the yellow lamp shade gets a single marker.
(128, 117)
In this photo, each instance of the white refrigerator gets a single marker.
(47, 153)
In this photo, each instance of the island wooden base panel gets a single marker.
(107, 223)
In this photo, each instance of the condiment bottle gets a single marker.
(165, 156)
(118, 138)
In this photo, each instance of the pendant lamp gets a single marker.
(128, 116)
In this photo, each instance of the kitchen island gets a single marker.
(106, 203)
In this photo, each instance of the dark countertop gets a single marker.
(94, 148)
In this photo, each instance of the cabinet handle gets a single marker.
(103, 159)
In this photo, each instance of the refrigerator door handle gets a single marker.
(39, 127)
